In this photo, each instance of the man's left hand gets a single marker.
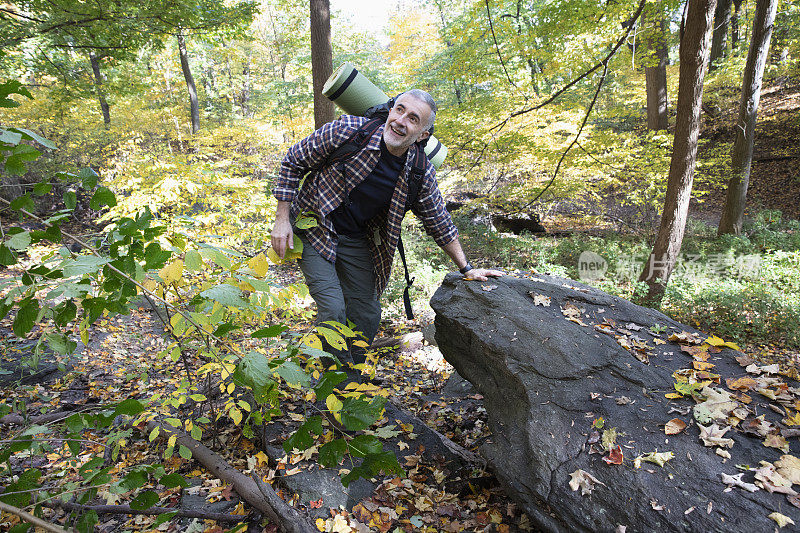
(483, 274)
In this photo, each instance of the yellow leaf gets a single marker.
(320, 523)
(334, 404)
(273, 256)
(701, 365)
(732, 346)
(171, 441)
(231, 386)
(781, 520)
(715, 341)
(793, 420)
(313, 341)
(172, 272)
(259, 265)
(673, 395)
(236, 415)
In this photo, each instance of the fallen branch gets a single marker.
(264, 498)
(35, 520)
(126, 509)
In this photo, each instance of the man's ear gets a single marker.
(424, 135)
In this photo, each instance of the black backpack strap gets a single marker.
(416, 177)
(409, 281)
(357, 142)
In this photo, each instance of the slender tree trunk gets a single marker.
(719, 42)
(187, 74)
(655, 66)
(321, 59)
(693, 60)
(742, 153)
(98, 86)
(737, 6)
(246, 87)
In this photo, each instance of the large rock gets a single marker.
(549, 356)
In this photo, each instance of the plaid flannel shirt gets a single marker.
(324, 190)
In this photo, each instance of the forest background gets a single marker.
(141, 139)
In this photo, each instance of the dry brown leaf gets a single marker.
(789, 467)
(540, 299)
(742, 384)
(713, 435)
(674, 426)
(781, 520)
(770, 480)
(774, 440)
(581, 479)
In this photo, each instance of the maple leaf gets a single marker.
(742, 384)
(771, 481)
(580, 479)
(774, 440)
(713, 436)
(793, 420)
(781, 520)
(717, 405)
(674, 426)
(789, 467)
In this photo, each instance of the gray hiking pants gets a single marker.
(344, 290)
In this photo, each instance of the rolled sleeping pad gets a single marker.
(354, 94)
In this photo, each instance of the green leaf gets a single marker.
(358, 414)
(60, 343)
(302, 439)
(102, 196)
(131, 407)
(173, 480)
(28, 134)
(70, 199)
(26, 317)
(271, 331)
(7, 257)
(163, 517)
(184, 452)
(132, 481)
(293, 374)
(22, 202)
(305, 222)
(42, 188)
(224, 329)
(363, 445)
(82, 265)
(327, 383)
(331, 453)
(19, 241)
(9, 136)
(193, 260)
(89, 178)
(87, 521)
(373, 464)
(144, 500)
(225, 294)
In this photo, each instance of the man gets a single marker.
(359, 205)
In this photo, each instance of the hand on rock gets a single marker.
(482, 274)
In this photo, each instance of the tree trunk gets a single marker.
(655, 66)
(321, 59)
(742, 153)
(187, 74)
(719, 42)
(737, 5)
(98, 86)
(246, 87)
(693, 59)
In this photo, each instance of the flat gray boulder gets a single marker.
(575, 383)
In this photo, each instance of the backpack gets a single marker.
(378, 115)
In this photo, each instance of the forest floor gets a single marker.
(110, 369)
(775, 173)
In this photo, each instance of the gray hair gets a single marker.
(419, 94)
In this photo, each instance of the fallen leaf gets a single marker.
(781, 520)
(717, 405)
(580, 479)
(736, 481)
(540, 299)
(789, 467)
(741, 384)
(713, 436)
(488, 288)
(771, 481)
(623, 400)
(774, 440)
(658, 458)
(614, 456)
(655, 505)
(674, 426)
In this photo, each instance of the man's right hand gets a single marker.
(282, 235)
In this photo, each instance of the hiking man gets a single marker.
(359, 205)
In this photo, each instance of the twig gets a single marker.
(497, 46)
(36, 521)
(126, 509)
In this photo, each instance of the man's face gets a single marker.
(406, 124)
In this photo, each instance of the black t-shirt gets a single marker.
(370, 197)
